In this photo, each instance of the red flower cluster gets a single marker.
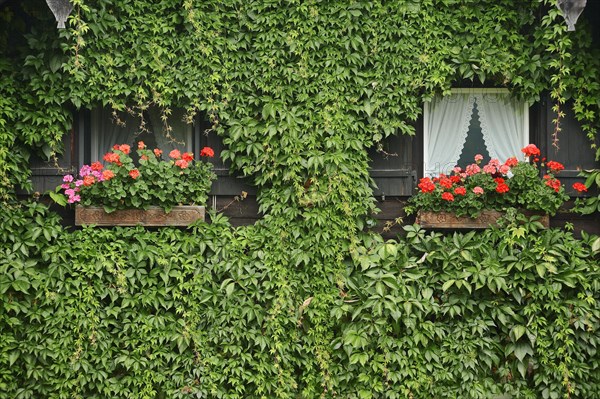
(124, 148)
(580, 187)
(108, 174)
(460, 191)
(207, 152)
(88, 180)
(426, 185)
(175, 154)
(134, 173)
(552, 182)
(531, 150)
(119, 165)
(554, 166)
(445, 182)
(502, 188)
(478, 187)
(112, 157)
(447, 196)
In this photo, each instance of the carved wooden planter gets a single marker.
(153, 216)
(448, 220)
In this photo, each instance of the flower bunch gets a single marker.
(120, 183)
(588, 203)
(495, 186)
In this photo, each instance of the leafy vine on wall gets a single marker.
(298, 90)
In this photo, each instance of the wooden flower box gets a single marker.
(448, 220)
(153, 216)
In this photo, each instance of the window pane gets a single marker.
(109, 128)
(474, 143)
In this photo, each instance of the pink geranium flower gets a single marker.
(473, 169)
(175, 154)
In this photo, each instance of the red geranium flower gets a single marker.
(580, 187)
(530, 150)
(473, 169)
(555, 166)
(554, 184)
(512, 161)
(445, 182)
(187, 156)
(502, 188)
(108, 174)
(97, 166)
(499, 180)
(157, 152)
(460, 191)
(455, 179)
(125, 148)
(207, 152)
(134, 173)
(88, 180)
(141, 145)
(426, 185)
(112, 157)
(446, 196)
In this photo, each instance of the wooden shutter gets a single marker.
(573, 151)
(394, 166)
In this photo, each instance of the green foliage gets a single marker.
(34, 105)
(301, 304)
(213, 311)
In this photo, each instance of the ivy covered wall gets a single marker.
(303, 303)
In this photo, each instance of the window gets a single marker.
(107, 128)
(473, 121)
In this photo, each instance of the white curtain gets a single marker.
(503, 125)
(448, 125)
(502, 120)
(106, 132)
